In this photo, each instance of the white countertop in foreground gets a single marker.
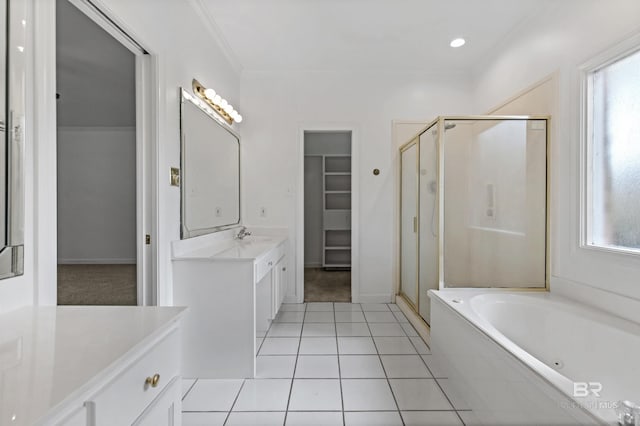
(49, 355)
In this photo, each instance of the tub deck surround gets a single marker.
(52, 357)
(234, 289)
(573, 362)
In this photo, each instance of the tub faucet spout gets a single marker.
(243, 233)
(628, 413)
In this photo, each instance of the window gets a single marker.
(613, 154)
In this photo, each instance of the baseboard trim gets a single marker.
(97, 261)
(374, 298)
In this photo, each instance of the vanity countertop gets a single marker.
(52, 355)
(248, 249)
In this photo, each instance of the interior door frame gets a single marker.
(355, 206)
(146, 72)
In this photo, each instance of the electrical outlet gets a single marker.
(263, 212)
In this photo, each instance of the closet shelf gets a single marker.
(336, 185)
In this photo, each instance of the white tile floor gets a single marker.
(332, 364)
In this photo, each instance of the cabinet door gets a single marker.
(275, 285)
(282, 267)
(279, 283)
(166, 409)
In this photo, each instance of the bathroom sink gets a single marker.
(249, 248)
(253, 239)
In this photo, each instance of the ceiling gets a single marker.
(95, 73)
(394, 35)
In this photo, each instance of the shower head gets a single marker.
(447, 126)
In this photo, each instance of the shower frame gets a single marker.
(439, 122)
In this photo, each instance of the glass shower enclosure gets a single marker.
(473, 206)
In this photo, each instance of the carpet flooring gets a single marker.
(326, 286)
(97, 285)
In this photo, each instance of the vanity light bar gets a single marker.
(219, 105)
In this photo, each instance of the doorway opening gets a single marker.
(101, 196)
(327, 216)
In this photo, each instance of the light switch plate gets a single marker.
(175, 176)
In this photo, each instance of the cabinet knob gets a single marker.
(270, 263)
(153, 381)
(284, 268)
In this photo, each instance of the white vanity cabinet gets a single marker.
(144, 390)
(91, 366)
(234, 289)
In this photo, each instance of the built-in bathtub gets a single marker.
(534, 358)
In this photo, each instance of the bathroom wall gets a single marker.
(96, 195)
(278, 105)
(557, 42)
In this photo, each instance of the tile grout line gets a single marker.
(245, 380)
(335, 327)
(189, 390)
(295, 367)
(226, 419)
(433, 376)
(448, 399)
(395, 400)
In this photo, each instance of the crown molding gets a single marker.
(207, 18)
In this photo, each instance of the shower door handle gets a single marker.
(415, 225)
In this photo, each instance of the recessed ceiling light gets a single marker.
(457, 42)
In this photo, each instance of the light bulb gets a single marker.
(457, 42)
(223, 104)
(228, 108)
(216, 99)
(210, 94)
(239, 119)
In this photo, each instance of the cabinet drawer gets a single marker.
(125, 398)
(264, 264)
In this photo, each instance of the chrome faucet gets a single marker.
(243, 233)
(628, 413)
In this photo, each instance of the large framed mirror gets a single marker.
(210, 170)
(13, 53)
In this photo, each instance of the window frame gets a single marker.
(608, 57)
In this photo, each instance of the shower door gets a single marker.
(495, 203)
(428, 225)
(409, 223)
